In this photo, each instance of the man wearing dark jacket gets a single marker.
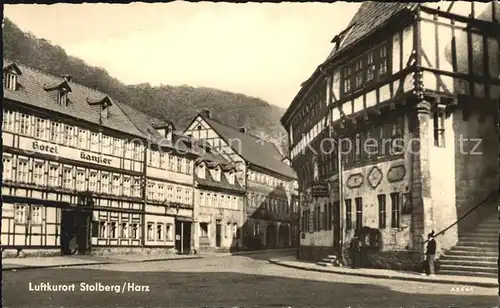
(431, 253)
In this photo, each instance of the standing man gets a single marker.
(355, 250)
(430, 253)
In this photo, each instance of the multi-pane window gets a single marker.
(36, 215)
(161, 192)
(209, 200)
(40, 128)
(137, 152)
(187, 168)
(117, 147)
(124, 230)
(150, 232)
(202, 199)
(179, 195)
(69, 135)
(439, 118)
(179, 164)
(126, 186)
(68, 178)
(170, 193)
(359, 213)
(116, 184)
(25, 126)
(358, 68)
(104, 183)
(159, 232)
(106, 144)
(21, 214)
(348, 214)
(136, 189)
(54, 178)
(382, 217)
(162, 161)
(135, 231)
(187, 196)
(80, 180)
(8, 120)
(82, 139)
(93, 181)
(383, 60)
(94, 142)
(38, 173)
(171, 163)
(7, 168)
(113, 229)
(150, 193)
(370, 67)
(54, 131)
(22, 171)
(347, 79)
(62, 98)
(168, 232)
(103, 229)
(395, 210)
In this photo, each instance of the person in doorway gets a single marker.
(430, 254)
(355, 250)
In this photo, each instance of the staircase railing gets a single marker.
(488, 198)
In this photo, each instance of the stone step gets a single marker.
(328, 260)
(466, 268)
(478, 239)
(473, 258)
(478, 244)
(460, 273)
(482, 229)
(492, 236)
(321, 263)
(472, 251)
(473, 263)
(332, 257)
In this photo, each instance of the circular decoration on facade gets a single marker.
(396, 173)
(375, 177)
(355, 180)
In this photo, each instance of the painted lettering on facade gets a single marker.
(95, 158)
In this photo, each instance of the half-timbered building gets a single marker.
(74, 171)
(407, 97)
(269, 214)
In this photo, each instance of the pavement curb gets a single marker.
(416, 278)
(28, 267)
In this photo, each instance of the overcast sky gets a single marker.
(262, 50)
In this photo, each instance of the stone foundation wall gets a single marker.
(403, 260)
(315, 253)
(104, 251)
(24, 253)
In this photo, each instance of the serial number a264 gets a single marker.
(462, 289)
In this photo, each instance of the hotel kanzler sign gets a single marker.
(31, 146)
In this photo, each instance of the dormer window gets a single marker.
(201, 171)
(231, 177)
(62, 98)
(104, 104)
(217, 174)
(10, 73)
(104, 111)
(10, 81)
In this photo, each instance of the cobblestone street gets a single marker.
(229, 281)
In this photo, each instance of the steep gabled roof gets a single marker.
(254, 150)
(369, 17)
(12, 67)
(31, 92)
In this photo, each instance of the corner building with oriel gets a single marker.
(414, 88)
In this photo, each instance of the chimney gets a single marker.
(206, 113)
(243, 129)
(67, 77)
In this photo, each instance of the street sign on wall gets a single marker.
(320, 189)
